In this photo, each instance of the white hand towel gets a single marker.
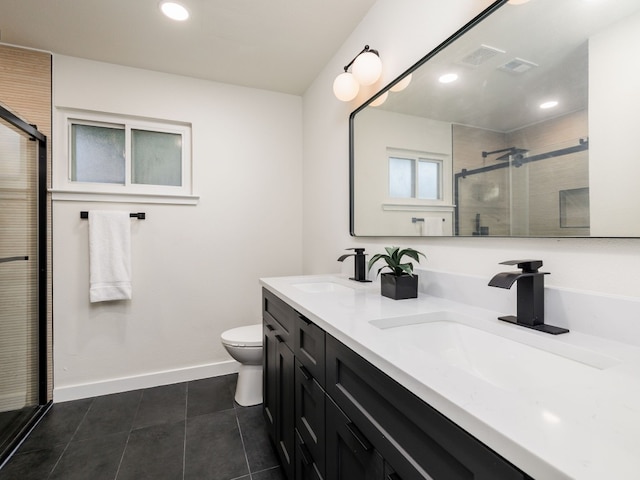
(109, 256)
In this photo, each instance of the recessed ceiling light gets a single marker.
(517, 2)
(174, 11)
(448, 78)
(549, 104)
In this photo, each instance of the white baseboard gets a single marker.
(154, 379)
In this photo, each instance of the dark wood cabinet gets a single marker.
(306, 468)
(278, 378)
(308, 346)
(333, 415)
(310, 416)
(432, 446)
(350, 455)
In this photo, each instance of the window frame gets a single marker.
(416, 157)
(64, 188)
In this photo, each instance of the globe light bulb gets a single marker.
(402, 84)
(380, 100)
(367, 68)
(345, 87)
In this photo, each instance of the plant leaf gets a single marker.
(391, 251)
(375, 258)
(393, 257)
(406, 268)
(410, 252)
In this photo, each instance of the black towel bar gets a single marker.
(138, 215)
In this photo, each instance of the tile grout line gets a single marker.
(66, 447)
(244, 448)
(129, 435)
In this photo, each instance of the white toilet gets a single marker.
(244, 344)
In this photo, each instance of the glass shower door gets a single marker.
(19, 282)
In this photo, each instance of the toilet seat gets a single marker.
(249, 336)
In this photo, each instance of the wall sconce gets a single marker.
(366, 70)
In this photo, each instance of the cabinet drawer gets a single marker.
(416, 439)
(310, 416)
(278, 316)
(309, 348)
(306, 466)
(350, 455)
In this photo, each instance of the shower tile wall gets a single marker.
(531, 191)
(25, 88)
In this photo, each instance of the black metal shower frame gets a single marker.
(35, 135)
(582, 145)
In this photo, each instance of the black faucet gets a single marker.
(530, 295)
(360, 264)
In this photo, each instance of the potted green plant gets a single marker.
(401, 282)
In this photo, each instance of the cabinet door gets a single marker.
(269, 388)
(306, 467)
(310, 416)
(285, 420)
(350, 456)
(279, 401)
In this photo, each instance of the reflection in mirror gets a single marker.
(522, 124)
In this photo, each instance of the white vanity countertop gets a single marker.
(583, 424)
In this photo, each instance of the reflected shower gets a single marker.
(517, 153)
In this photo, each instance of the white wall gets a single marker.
(403, 31)
(381, 130)
(195, 268)
(614, 157)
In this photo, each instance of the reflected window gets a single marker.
(415, 176)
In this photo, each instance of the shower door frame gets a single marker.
(35, 135)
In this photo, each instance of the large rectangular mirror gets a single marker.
(524, 123)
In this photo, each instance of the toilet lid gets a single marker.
(250, 336)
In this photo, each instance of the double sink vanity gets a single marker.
(361, 386)
(529, 140)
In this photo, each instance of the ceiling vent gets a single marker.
(480, 55)
(517, 66)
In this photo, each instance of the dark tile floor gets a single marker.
(192, 430)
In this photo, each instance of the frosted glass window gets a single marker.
(97, 154)
(415, 177)
(429, 179)
(401, 177)
(156, 158)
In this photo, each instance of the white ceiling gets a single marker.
(551, 34)
(279, 45)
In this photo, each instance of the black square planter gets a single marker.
(398, 288)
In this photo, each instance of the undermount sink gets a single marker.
(501, 361)
(321, 287)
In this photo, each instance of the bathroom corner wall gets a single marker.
(195, 268)
(404, 31)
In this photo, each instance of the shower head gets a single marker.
(518, 153)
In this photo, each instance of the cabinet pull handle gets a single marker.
(305, 454)
(279, 338)
(305, 373)
(304, 319)
(362, 440)
(393, 476)
(269, 327)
